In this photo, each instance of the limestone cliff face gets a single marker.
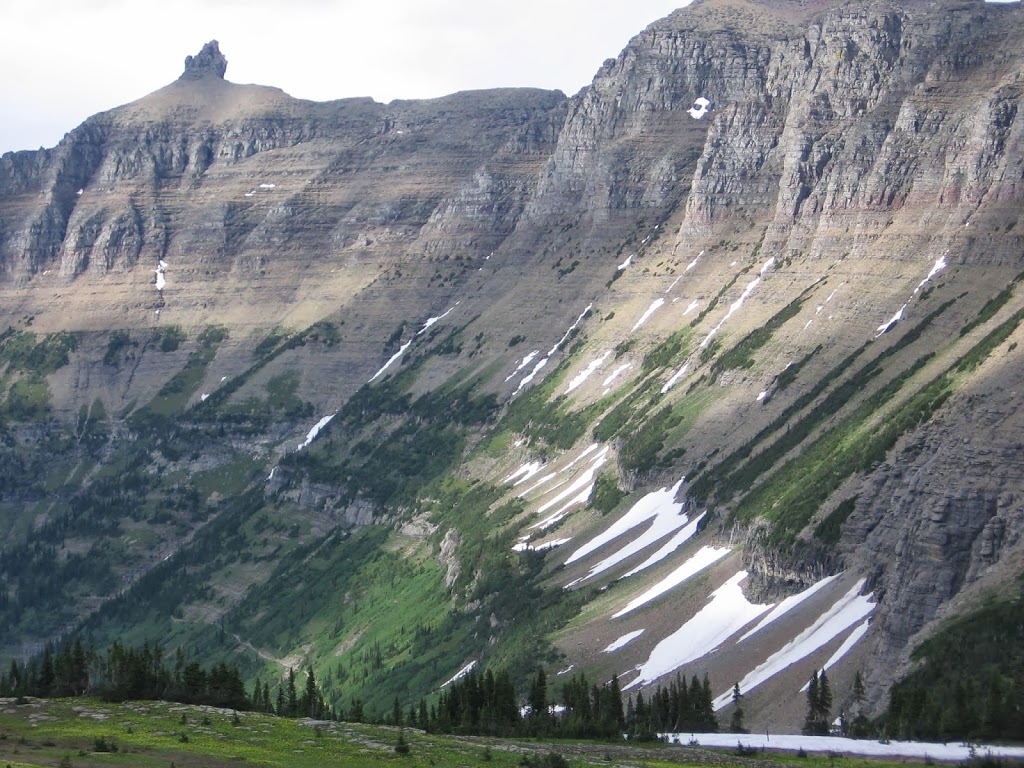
(785, 225)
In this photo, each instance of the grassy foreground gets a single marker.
(86, 732)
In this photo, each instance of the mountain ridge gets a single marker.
(801, 297)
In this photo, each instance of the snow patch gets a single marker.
(681, 537)
(727, 613)
(525, 362)
(524, 473)
(939, 265)
(847, 611)
(607, 383)
(699, 108)
(885, 327)
(842, 650)
(789, 604)
(401, 350)
(580, 490)
(705, 557)
(537, 368)
(311, 435)
(655, 306)
(626, 263)
(622, 641)
(583, 375)
(524, 546)
(840, 744)
(650, 506)
(676, 377)
(739, 302)
(690, 307)
(161, 279)
(460, 674)
(267, 186)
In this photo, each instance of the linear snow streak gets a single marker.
(727, 612)
(583, 375)
(669, 547)
(622, 641)
(705, 557)
(537, 368)
(844, 613)
(734, 307)
(789, 604)
(649, 506)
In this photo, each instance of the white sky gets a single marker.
(64, 60)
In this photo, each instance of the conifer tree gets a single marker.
(292, 705)
(538, 699)
(736, 721)
(810, 722)
(309, 699)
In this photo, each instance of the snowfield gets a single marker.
(727, 612)
(841, 744)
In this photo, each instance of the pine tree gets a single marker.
(538, 699)
(736, 721)
(810, 722)
(292, 705)
(309, 700)
(824, 703)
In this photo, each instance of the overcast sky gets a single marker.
(63, 60)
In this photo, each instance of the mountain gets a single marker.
(711, 367)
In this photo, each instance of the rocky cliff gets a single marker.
(772, 249)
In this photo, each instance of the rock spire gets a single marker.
(209, 61)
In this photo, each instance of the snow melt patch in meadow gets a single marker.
(315, 430)
(788, 604)
(840, 744)
(844, 613)
(583, 375)
(537, 368)
(727, 613)
(626, 639)
(460, 674)
(690, 307)
(652, 505)
(705, 557)
(655, 306)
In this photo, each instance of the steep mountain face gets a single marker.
(710, 367)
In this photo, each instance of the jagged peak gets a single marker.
(209, 61)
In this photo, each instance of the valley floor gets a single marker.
(82, 732)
